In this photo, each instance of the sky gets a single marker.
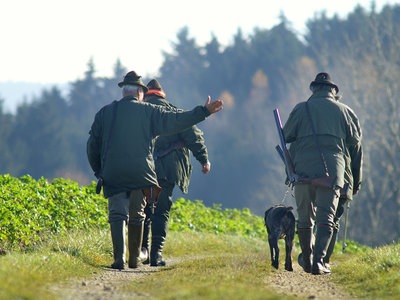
(51, 41)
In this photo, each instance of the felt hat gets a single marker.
(155, 89)
(131, 78)
(154, 85)
(324, 78)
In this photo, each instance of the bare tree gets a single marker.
(367, 71)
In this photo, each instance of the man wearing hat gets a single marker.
(173, 167)
(325, 139)
(119, 150)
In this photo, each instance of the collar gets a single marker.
(325, 94)
(157, 93)
(129, 98)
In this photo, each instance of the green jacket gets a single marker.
(171, 152)
(339, 136)
(128, 163)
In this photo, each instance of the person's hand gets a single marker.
(214, 106)
(206, 167)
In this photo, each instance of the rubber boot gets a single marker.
(135, 236)
(157, 244)
(146, 235)
(306, 244)
(322, 240)
(330, 249)
(118, 240)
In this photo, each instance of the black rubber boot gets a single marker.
(135, 236)
(157, 244)
(118, 240)
(322, 240)
(306, 244)
(330, 249)
(159, 224)
(146, 234)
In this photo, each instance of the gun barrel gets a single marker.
(280, 152)
(279, 125)
(284, 151)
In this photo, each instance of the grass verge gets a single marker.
(371, 274)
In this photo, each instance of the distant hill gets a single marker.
(15, 93)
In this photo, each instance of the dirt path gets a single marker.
(300, 283)
(107, 285)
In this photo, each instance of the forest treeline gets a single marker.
(269, 68)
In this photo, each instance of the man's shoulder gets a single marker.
(299, 107)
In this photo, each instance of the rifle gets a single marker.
(284, 152)
(292, 178)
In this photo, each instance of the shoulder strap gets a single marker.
(316, 141)
(114, 113)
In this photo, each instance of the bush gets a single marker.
(30, 209)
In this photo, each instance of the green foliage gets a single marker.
(30, 210)
(194, 216)
(33, 210)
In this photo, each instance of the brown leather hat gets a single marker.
(324, 78)
(131, 78)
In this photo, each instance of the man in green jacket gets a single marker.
(120, 152)
(321, 132)
(173, 167)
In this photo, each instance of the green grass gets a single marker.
(373, 273)
(27, 275)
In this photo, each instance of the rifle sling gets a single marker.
(114, 113)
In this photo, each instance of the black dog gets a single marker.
(280, 223)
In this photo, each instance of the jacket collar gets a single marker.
(323, 94)
(129, 98)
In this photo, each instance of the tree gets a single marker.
(39, 139)
(6, 124)
(181, 71)
(365, 64)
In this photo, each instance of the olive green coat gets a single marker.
(175, 166)
(339, 136)
(128, 163)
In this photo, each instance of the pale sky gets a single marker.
(51, 41)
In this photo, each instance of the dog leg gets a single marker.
(273, 245)
(289, 247)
